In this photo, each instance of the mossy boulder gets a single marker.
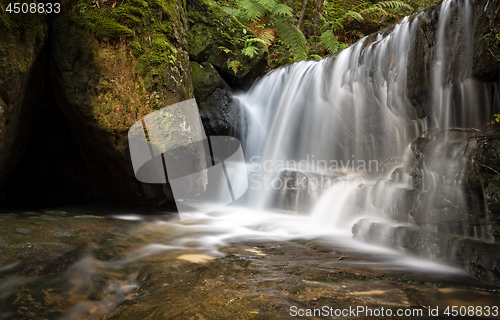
(482, 170)
(205, 80)
(21, 41)
(220, 115)
(218, 38)
(113, 65)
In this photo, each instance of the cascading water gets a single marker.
(349, 120)
(343, 115)
(344, 140)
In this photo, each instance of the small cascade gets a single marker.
(346, 139)
(338, 116)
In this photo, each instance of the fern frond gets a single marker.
(268, 4)
(283, 9)
(251, 10)
(354, 15)
(292, 37)
(394, 4)
(330, 42)
(375, 10)
(250, 51)
(267, 35)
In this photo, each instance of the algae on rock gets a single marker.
(21, 41)
(112, 67)
(218, 38)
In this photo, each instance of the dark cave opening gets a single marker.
(51, 171)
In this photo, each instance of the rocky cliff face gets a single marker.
(111, 67)
(215, 44)
(22, 40)
(112, 64)
(453, 202)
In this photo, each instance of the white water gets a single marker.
(352, 108)
(314, 117)
(320, 117)
(303, 117)
(355, 108)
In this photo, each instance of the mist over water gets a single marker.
(353, 109)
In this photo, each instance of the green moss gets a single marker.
(211, 29)
(205, 79)
(22, 36)
(101, 21)
(153, 30)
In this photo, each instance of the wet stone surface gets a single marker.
(95, 267)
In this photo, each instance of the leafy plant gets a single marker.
(268, 18)
(330, 42)
(497, 117)
(226, 50)
(385, 8)
(338, 14)
(249, 49)
(234, 65)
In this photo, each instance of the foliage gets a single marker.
(251, 50)
(234, 65)
(269, 17)
(497, 117)
(330, 42)
(338, 15)
(329, 25)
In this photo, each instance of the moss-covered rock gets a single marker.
(218, 38)
(21, 41)
(205, 80)
(219, 114)
(113, 65)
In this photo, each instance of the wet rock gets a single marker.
(440, 194)
(218, 38)
(293, 191)
(481, 259)
(62, 234)
(297, 191)
(483, 172)
(23, 230)
(220, 115)
(205, 80)
(484, 56)
(111, 67)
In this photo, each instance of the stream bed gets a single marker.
(75, 263)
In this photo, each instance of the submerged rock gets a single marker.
(481, 259)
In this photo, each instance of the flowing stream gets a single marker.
(348, 121)
(323, 133)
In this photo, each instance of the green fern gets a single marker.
(234, 65)
(272, 15)
(292, 37)
(330, 42)
(250, 50)
(283, 9)
(378, 9)
(354, 15)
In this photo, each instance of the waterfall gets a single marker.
(348, 120)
